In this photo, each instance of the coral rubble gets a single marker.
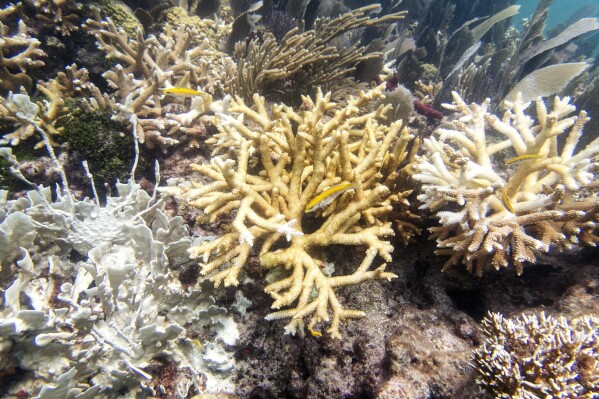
(491, 216)
(270, 166)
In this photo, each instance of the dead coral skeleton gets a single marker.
(271, 164)
(546, 199)
(539, 356)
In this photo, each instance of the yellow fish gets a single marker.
(507, 202)
(182, 92)
(328, 196)
(314, 332)
(523, 158)
(197, 343)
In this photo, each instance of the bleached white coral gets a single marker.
(93, 302)
(496, 215)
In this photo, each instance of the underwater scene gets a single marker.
(220, 199)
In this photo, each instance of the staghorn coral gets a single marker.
(488, 216)
(270, 165)
(59, 15)
(539, 356)
(18, 53)
(44, 115)
(144, 68)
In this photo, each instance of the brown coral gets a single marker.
(539, 356)
(500, 217)
(19, 52)
(146, 66)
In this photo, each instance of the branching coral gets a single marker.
(147, 66)
(271, 165)
(539, 357)
(308, 58)
(18, 53)
(59, 15)
(494, 217)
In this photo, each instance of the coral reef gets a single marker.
(323, 58)
(271, 166)
(288, 134)
(94, 291)
(58, 15)
(146, 67)
(18, 53)
(539, 356)
(495, 217)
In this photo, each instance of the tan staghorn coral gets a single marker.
(539, 357)
(271, 165)
(546, 196)
(145, 67)
(72, 83)
(58, 15)
(19, 52)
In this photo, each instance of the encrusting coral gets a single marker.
(271, 164)
(539, 356)
(497, 216)
(121, 15)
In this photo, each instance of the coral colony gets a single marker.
(301, 148)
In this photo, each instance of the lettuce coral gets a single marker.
(497, 216)
(270, 164)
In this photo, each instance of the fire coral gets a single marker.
(270, 164)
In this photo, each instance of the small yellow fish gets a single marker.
(507, 202)
(328, 196)
(197, 343)
(314, 332)
(523, 158)
(182, 92)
